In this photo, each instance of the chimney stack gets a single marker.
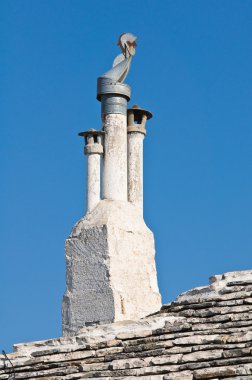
(110, 253)
(137, 118)
(93, 150)
(114, 98)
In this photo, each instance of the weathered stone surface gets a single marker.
(179, 376)
(200, 356)
(198, 339)
(166, 345)
(111, 274)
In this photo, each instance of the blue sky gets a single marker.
(192, 70)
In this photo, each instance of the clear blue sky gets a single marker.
(193, 70)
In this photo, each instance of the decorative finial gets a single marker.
(121, 64)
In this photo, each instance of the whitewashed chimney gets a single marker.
(111, 272)
(114, 98)
(137, 118)
(93, 150)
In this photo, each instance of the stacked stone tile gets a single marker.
(205, 334)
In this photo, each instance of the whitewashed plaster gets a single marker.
(111, 273)
(114, 179)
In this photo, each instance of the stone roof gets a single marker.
(206, 333)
